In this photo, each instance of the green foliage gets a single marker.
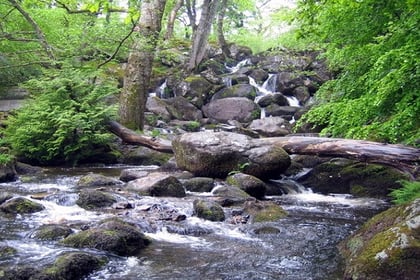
(66, 120)
(409, 192)
(373, 46)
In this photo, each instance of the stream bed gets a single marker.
(301, 246)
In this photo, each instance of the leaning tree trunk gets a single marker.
(201, 34)
(220, 35)
(139, 67)
(172, 18)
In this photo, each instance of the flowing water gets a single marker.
(300, 246)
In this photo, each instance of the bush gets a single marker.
(409, 192)
(66, 120)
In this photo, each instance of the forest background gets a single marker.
(68, 52)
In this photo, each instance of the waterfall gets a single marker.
(242, 63)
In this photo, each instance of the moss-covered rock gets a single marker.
(74, 266)
(264, 211)
(21, 205)
(248, 183)
(96, 180)
(228, 195)
(199, 184)
(51, 232)
(208, 210)
(145, 156)
(359, 179)
(91, 199)
(386, 247)
(7, 251)
(113, 235)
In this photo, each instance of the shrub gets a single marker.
(409, 192)
(65, 121)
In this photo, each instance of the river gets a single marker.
(301, 246)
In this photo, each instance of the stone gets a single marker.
(234, 108)
(157, 184)
(199, 184)
(208, 210)
(21, 205)
(51, 232)
(264, 211)
(96, 180)
(249, 184)
(92, 199)
(271, 127)
(386, 247)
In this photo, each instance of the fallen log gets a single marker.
(404, 158)
(131, 137)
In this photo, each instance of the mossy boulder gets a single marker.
(198, 184)
(113, 235)
(51, 232)
(145, 156)
(92, 199)
(208, 210)
(385, 247)
(238, 90)
(348, 176)
(248, 183)
(7, 251)
(264, 211)
(7, 172)
(73, 266)
(21, 205)
(216, 154)
(157, 184)
(96, 180)
(228, 195)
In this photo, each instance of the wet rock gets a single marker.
(250, 184)
(114, 235)
(208, 210)
(238, 90)
(234, 108)
(158, 107)
(258, 75)
(97, 180)
(271, 127)
(276, 98)
(185, 229)
(387, 247)
(215, 154)
(145, 156)
(6, 251)
(227, 195)
(51, 232)
(157, 184)
(74, 266)
(21, 205)
(264, 211)
(7, 173)
(199, 184)
(359, 179)
(182, 109)
(5, 196)
(132, 174)
(267, 230)
(276, 110)
(302, 94)
(23, 168)
(92, 199)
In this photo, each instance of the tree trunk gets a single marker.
(404, 158)
(220, 35)
(131, 137)
(139, 67)
(199, 46)
(172, 18)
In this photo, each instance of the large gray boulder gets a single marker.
(215, 154)
(240, 109)
(157, 184)
(271, 127)
(181, 109)
(239, 90)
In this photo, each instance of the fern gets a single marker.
(409, 192)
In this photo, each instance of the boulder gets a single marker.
(227, 195)
(264, 211)
(215, 154)
(199, 184)
(96, 180)
(386, 247)
(348, 176)
(276, 110)
(157, 184)
(112, 235)
(234, 108)
(275, 98)
(51, 232)
(271, 127)
(194, 88)
(208, 210)
(7, 173)
(181, 109)
(145, 156)
(238, 90)
(92, 199)
(158, 107)
(249, 184)
(132, 174)
(21, 205)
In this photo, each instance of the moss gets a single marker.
(6, 251)
(270, 214)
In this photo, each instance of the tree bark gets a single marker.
(200, 36)
(404, 158)
(139, 67)
(172, 18)
(131, 137)
(220, 35)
